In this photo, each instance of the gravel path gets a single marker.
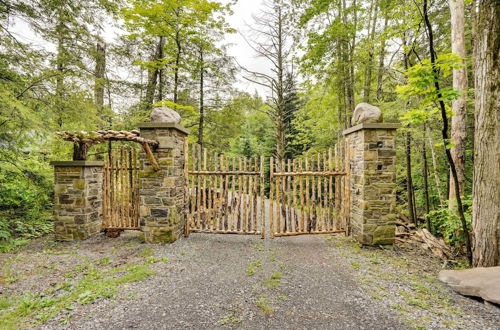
(205, 285)
(211, 281)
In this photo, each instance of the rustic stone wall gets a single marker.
(162, 192)
(77, 199)
(372, 152)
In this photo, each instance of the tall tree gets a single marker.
(486, 184)
(458, 120)
(272, 40)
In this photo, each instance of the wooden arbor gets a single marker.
(120, 185)
(82, 141)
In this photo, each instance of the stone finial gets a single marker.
(366, 113)
(165, 115)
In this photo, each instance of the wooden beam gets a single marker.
(151, 157)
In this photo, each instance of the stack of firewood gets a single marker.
(408, 233)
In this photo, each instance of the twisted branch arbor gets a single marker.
(84, 140)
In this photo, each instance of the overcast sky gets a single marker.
(239, 48)
(243, 53)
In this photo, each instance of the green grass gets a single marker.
(252, 267)
(265, 305)
(355, 265)
(274, 281)
(95, 284)
(230, 319)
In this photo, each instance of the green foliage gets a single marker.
(446, 223)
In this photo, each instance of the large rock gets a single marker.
(165, 115)
(366, 113)
(481, 282)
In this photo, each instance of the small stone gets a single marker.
(366, 113)
(165, 115)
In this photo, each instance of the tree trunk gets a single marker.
(409, 180)
(177, 63)
(434, 166)
(444, 131)
(202, 109)
(458, 120)
(426, 183)
(369, 64)
(153, 76)
(380, 73)
(349, 63)
(161, 44)
(99, 81)
(280, 125)
(486, 182)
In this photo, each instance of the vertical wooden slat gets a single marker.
(115, 189)
(136, 190)
(283, 198)
(289, 197)
(262, 216)
(302, 198)
(319, 195)
(294, 202)
(271, 197)
(305, 226)
(233, 211)
(251, 194)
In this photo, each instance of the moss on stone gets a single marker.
(162, 236)
(79, 184)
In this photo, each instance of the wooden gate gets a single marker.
(121, 190)
(225, 195)
(309, 195)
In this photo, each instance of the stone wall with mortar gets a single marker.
(162, 192)
(372, 155)
(77, 199)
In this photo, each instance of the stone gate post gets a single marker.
(162, 192)
(372, 152)
(77, 199)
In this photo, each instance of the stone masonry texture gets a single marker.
(162, 192)
(373, 184)
(77, 200)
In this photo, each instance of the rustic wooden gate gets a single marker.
(224, 195)
(309, 195)
(121, 190)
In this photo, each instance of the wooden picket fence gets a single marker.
(308, 195)
(224, 195)
(121, 190)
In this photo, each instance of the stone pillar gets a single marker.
(372, 155)
(162, 192)
(77, 199)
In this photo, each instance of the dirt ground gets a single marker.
(214, 281)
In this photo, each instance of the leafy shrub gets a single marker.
(25, 203)
(446, 223)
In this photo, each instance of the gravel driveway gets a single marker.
(213, 281)
(206, 285)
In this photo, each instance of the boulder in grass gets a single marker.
(366, 113)
(165, 115)
(483, 282)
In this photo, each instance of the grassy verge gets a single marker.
(85, 284)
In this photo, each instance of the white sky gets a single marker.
(243, 53)
(239, 49)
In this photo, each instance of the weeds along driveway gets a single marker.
(229, 281)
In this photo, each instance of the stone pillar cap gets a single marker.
(153, 125)
(382, 126)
